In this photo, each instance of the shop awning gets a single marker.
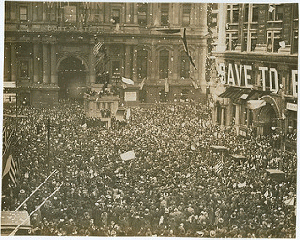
(234, 93)
(255, 104)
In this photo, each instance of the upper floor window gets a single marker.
(7, 10)
(231, 40)
(70, 14)
(115, 16)
(273, 39)
(164, 14)
(184, 65)
(232, 13)
(142, 63)
(24, 69)
(249, 44)
(186, 14)
(142, 13)
(296, 11)
(23, 13)
(38, 11)
(255, 13)
(163, 64)
(276, 12)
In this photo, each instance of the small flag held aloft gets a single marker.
(128, 155)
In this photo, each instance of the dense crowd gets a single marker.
(171, 188)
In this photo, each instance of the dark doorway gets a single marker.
(71, 78)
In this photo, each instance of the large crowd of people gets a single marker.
(171, 188)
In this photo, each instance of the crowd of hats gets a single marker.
(171, 188)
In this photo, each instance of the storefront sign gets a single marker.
(243, 75)
(292, 107)
(130, 96)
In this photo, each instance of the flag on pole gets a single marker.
(10, 169)
(290, 201)
(128, 155)
(186, 48)
(97, 48)
(127, 80)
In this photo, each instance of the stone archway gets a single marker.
(269, 115)
(72, 75)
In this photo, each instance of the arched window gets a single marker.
(142, 63)
(163, 64)
(184, 65)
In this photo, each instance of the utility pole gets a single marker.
(48, 136)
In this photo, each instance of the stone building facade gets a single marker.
(49, 49)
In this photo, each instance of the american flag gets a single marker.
(97, 48)
(10, 169)
(219, 166)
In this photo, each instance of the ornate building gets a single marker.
(256, 58)
(49, 49)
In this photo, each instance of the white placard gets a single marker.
(130, 96)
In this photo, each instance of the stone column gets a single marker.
(135, 14)
(127, 12)
(13, 63)
(53, 64)
(35, 63)
(201, 65)
(222, 116)
(176, 63)
(221, 47)
(134, 63)
(7, 63)
(46, 65)
(92, 66)
(203, 18)
(127, 61)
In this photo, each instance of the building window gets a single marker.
(273, 39)
(115, 16)
(186, 14)
(276, 12)
(231, 40)
(23, 13)
(184, 65)
(142, 63)
(24, 69)
(70, 14)
(185, 95)
(249, 45)
(7, 11)
(163, 64)
(164, 14)
(255, 13)
(38, 12)
(232, 13)
(142, 13)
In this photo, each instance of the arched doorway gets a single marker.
(71, 78)
(268, 118)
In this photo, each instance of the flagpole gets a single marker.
(34, 191)
(17, 227)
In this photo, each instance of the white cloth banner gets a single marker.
(128, 155)
(254, 104)
(127, 80)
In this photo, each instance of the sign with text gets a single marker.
(244, 75)
(292, 107)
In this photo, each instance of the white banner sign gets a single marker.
(292, 107)
(130, 96)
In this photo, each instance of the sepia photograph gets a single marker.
(149, 119)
